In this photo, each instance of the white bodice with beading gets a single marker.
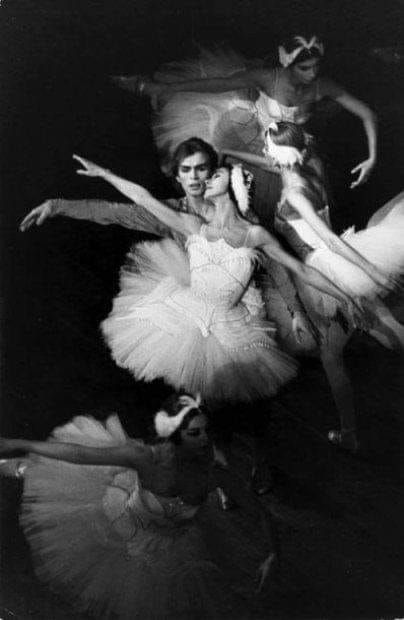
(220, 273)
(270, 109)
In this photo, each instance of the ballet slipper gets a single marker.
(345, 439)
(261, 478)
(225, 501)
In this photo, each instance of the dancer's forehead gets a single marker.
(196, 160)
(309, 63)
(221, 172)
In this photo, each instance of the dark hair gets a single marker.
(172, 406)
(291, 43)
(288, 134)
(190, 147)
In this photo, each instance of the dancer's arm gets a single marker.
(237, 81)
(272, 248)
(126, 455)
(277, 277)
(299, 202)
(369, 121)
(130, 216)
(176, 220)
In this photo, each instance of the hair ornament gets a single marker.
(241, 180)
(302, 44)
(284, 156)
(166, 424)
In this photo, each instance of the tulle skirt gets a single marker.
(382, 245)
(116, 550)
(159, 328)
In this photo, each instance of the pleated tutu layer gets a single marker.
(116, 550)
(226, 120)
(159, 328)
(382, 245)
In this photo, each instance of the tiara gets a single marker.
(166, 424)
(286, 58)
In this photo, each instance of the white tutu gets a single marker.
(117, 550)
(223, 119)
(189, 325)
(382, 245)
(393, 210)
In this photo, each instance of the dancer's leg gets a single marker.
(332, 358)
(222, 432)
(261, 474)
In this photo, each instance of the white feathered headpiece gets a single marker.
(285, 156)
(240, 181)
(166, 424)
(287, 59)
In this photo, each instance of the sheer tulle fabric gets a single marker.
(116, 550)
(184, 319)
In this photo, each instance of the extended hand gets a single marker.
(139, 85)
(364, 169)
(37, 216)
(389, 283)
(89, 168)
(302, 326)
(360, 314)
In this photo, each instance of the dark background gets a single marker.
(57, 282)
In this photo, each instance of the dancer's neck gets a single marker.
(225, 212)
(196, 203)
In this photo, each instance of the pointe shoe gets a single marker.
(261, 478)
(225, 501)
(345, 439)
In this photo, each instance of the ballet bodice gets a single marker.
(220, 273)
(270, 109)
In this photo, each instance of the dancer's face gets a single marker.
(306, 72)
(195, 437)
(193, 172)
(218, 184)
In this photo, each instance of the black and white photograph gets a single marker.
(202, 310)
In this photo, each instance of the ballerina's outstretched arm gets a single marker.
(175, 220)
(126, 455)
(237, 81)
(130, 216)
(304, 207)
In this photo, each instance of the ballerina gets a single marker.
(366, 264)
(193, 102)
(192, 164)
(127, 529)
(221, 350)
